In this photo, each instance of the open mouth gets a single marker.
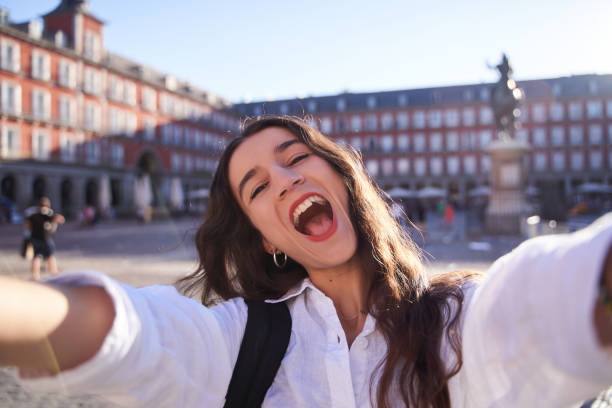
(313, 216)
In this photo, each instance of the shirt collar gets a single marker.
(294, 291)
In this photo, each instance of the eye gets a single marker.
(298, 158)
(258, 190)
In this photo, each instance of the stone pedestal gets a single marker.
(507, 204)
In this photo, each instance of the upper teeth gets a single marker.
(304, 206)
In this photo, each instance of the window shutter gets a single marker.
(16, 58)
(34, 68)
(47, 105)
(47, 68)
(35, 144)
(17, 96)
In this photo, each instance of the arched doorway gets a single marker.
(39, 189)
(115, 185)
(66, 197)
(91, 192)
(9, 187)
(148, 163)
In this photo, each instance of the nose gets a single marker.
(288, 181)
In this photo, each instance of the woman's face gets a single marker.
(296, 200)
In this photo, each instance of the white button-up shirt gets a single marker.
(528, 339)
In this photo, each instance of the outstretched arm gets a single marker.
(603, 317)
(51, 328)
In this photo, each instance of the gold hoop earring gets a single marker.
(279, 265)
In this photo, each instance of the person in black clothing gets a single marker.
(42, 225)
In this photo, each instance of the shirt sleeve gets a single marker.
(529, 333)
(163, 350)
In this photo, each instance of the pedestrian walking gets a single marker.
(321, 301)
(40, 224)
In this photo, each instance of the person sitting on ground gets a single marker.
(295, 218)
(42, 224)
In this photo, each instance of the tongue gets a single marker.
(318, 225)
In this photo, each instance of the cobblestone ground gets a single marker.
(160, 253)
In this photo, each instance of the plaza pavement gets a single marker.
(161, 252)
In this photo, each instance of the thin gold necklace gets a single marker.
(348, 319)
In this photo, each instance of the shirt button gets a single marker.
(363, 342)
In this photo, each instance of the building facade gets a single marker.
(438, 137)
(80, 124)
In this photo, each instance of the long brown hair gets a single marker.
(412, 311)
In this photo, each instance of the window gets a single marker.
(576, 135)
(539, 137)
(387, 167)
(387, 121)
(486, 115)
(558, 161)
(539, 112)
(452, 165)
(452, 141)
(371, 102)
(575, 111)
(386, 143)
(188, 164)
(434, 118)
(91, 83)
(177, 134)
(356, 123)
(356, 143)
(340, 124)
(340, 104)
(92, 46)
(558, 136)
(469, 165)
(67, 73)
(116, 150)
(435, 142)
(311, 106)
(67, 148)
(11, 98)
(149, 100)
(418, 119)
(420, 166)
(469, 117)
(41, 145)
(402, 120)
(92, 116)
(131, 124)
(67, 110)
(609, 108)
(522, 135)
(10, 55)
(175, 162)
(556, 111)
(149, 128)
(11, 143)
(485, 164)
(577, 161)
(610, 135)
(372, 166)
(41, 65)
(284, 109)
(115, 88)
(403, 143)
(403, 166)
(326, 125)
(371, 144)
(436, 166)
(116, 121)
(594, 109)
(419, 142)
(595, 159)
(371, 122)
(485, 138)
(595, 134)
(451, 118)
(41, 104)
(539, 161)
(468, 140)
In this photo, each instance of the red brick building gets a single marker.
(76, 119)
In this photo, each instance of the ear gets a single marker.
(267, 246)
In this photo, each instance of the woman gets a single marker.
(293, 217)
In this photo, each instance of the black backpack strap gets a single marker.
(263, 347)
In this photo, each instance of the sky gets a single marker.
(251, 50)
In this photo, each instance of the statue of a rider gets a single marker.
(505, 99)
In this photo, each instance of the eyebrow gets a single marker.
(277, 150)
